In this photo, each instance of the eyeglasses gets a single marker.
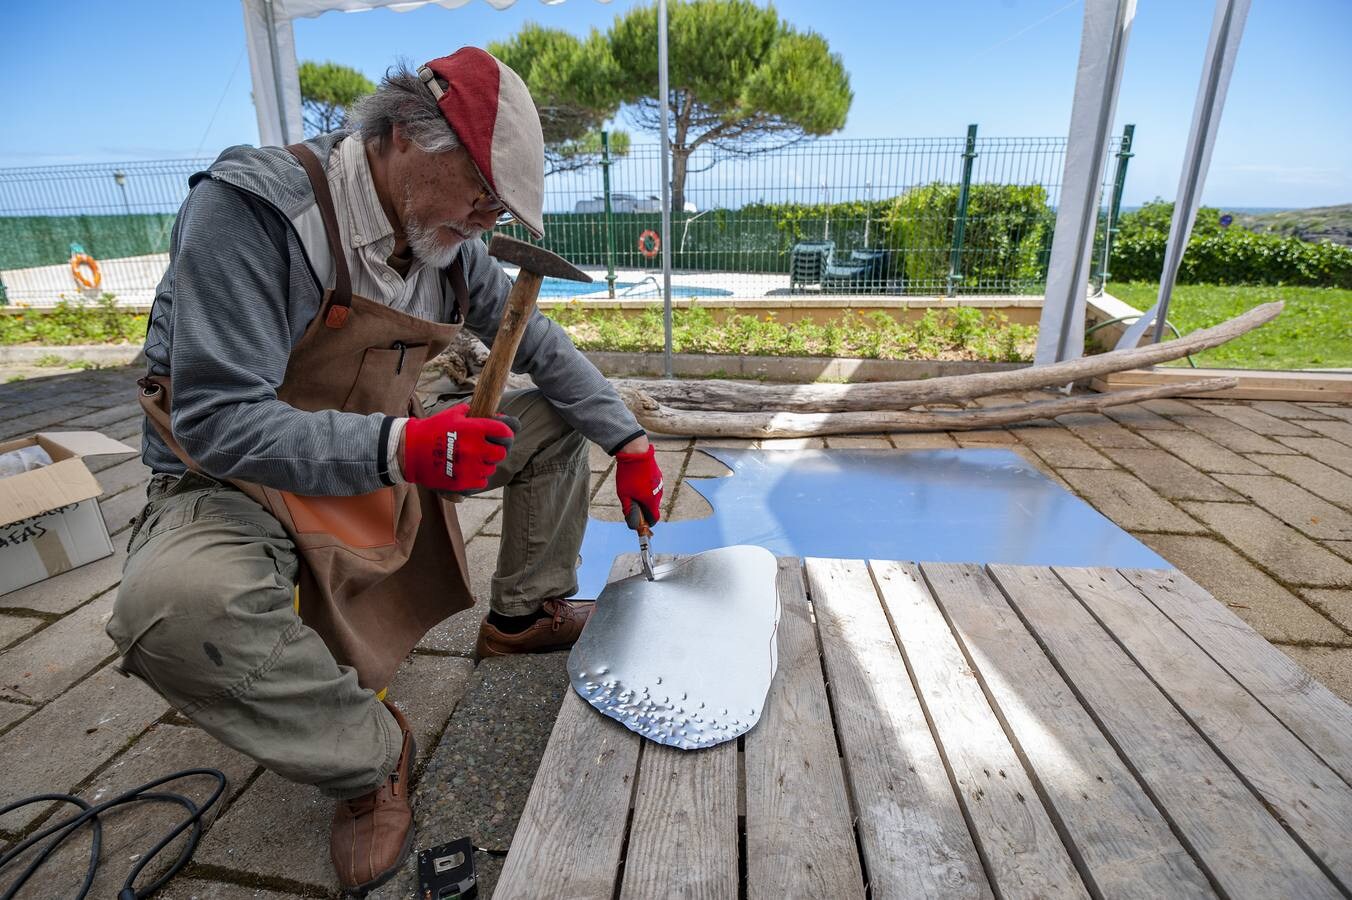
(489, 202)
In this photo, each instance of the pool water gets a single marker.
(559, 287)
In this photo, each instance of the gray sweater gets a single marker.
(246, 268)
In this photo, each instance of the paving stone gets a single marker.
(426, 689)
(128, 431)
(1343, 412)
(689, 504)
(119, 509)
(42, 420)
(1232, 435)
(729, 443)
(1284, 409)
(1061, 449)
(1336, 604)
(934, 440)
(849, 442)
(1255, 420)
(1204, 453)
(670, 441)
(1101, 431)
(132, 830)
(1326, 450)
(1169, 475)
(1135, 415)
(672, 463)
(600, 493)
(1342, 548)
(473, 513)
(1271, 610)
(12, 628)
(59, 655)
(277, 830)
(493, 527)
(1330, 666)
(1294, 505)
(1283, 551)
(97, 421)
(78, 731)
(121, 477)
(811, 443)
(477, 780)
(984, 437)
(11, 713)
(597, 459)
(195, 889)
(702, 465)
(1338, 430)
(1310, 474)
(70, 589)
(606, 513)
(1128, 501)
(1168, 406)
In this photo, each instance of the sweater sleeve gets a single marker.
(231, 324)
(568, 380)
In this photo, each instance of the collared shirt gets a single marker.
(369, 238)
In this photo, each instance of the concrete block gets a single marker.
(97, 421)
(1328, 451)
(1339, 430)
(15, 628)
(59, 655)
(1310, 474)
(1168, 406)
(1284, 409)
(1137, 416)
(1102, 432)
(1255, 420)
(1330, 410)
(426, 689)
(11, 713)
(70, 589)
(133, 830)
(1342, 548)
(1271, 610)
(1204, 453)
(1128, 501)
(77, 733)
(1231, 434)
(1335, 603)
(1061, 449)
(1294, 505)
(1331, 667)
(1169, 475)
(1283, 551)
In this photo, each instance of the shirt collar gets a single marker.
(367, 218)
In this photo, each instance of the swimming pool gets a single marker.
(559, 287)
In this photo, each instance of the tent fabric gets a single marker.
(1103, 49)
(1227, 27)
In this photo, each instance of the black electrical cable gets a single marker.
(89, 814)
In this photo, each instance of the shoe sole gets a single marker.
(362, 890)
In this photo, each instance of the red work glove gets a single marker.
(452, 452)
(638, 480)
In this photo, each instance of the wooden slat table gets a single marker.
(941, 730)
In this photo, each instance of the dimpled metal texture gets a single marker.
(686, 659)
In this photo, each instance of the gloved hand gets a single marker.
(638, 480)
(452, 452)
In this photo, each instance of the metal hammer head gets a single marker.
(534, 259)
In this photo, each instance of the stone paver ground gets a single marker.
(1251, 499)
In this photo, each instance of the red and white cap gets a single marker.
(491, 111)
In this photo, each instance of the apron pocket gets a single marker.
(386, 379)
(362, 522)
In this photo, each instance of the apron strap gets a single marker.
(460, 290)
(340, 304)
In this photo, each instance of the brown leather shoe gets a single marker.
(372, 834)
(558, 631)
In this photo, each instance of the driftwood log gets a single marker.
(732, 396)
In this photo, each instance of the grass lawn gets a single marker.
(1313, 332)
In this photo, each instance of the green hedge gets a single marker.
(27, 241)
(1219, 255)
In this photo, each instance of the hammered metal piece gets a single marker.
(686, 659)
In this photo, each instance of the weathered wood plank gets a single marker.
(914, 838)
(568, 842)
(1126, 847)
(683, 839)
(1024, 855)
(1315, 803)
(1242, 847)
(799, 835)
(1317, 715)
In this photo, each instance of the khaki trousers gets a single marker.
(205, 613)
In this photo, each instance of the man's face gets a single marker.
(440, 200)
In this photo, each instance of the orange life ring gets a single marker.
(95, 276)
(643, 243)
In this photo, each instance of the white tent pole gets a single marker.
(1227, 27)
(663, 89)
(1103, 49)
(270, 20)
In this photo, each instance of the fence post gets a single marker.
(610, 231)
(1115, 204)
(955, 260)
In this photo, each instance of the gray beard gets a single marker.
(425, 243)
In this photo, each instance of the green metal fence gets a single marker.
(918, 216)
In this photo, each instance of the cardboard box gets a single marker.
(49, 517)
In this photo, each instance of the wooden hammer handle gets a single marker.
(493, 378)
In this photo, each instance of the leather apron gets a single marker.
(378, 570)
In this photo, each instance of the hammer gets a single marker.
(536, 263)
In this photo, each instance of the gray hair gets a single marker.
(402, 99)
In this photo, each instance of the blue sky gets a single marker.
(93, 80)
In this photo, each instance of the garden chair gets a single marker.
(808, 261)
(863, 272)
